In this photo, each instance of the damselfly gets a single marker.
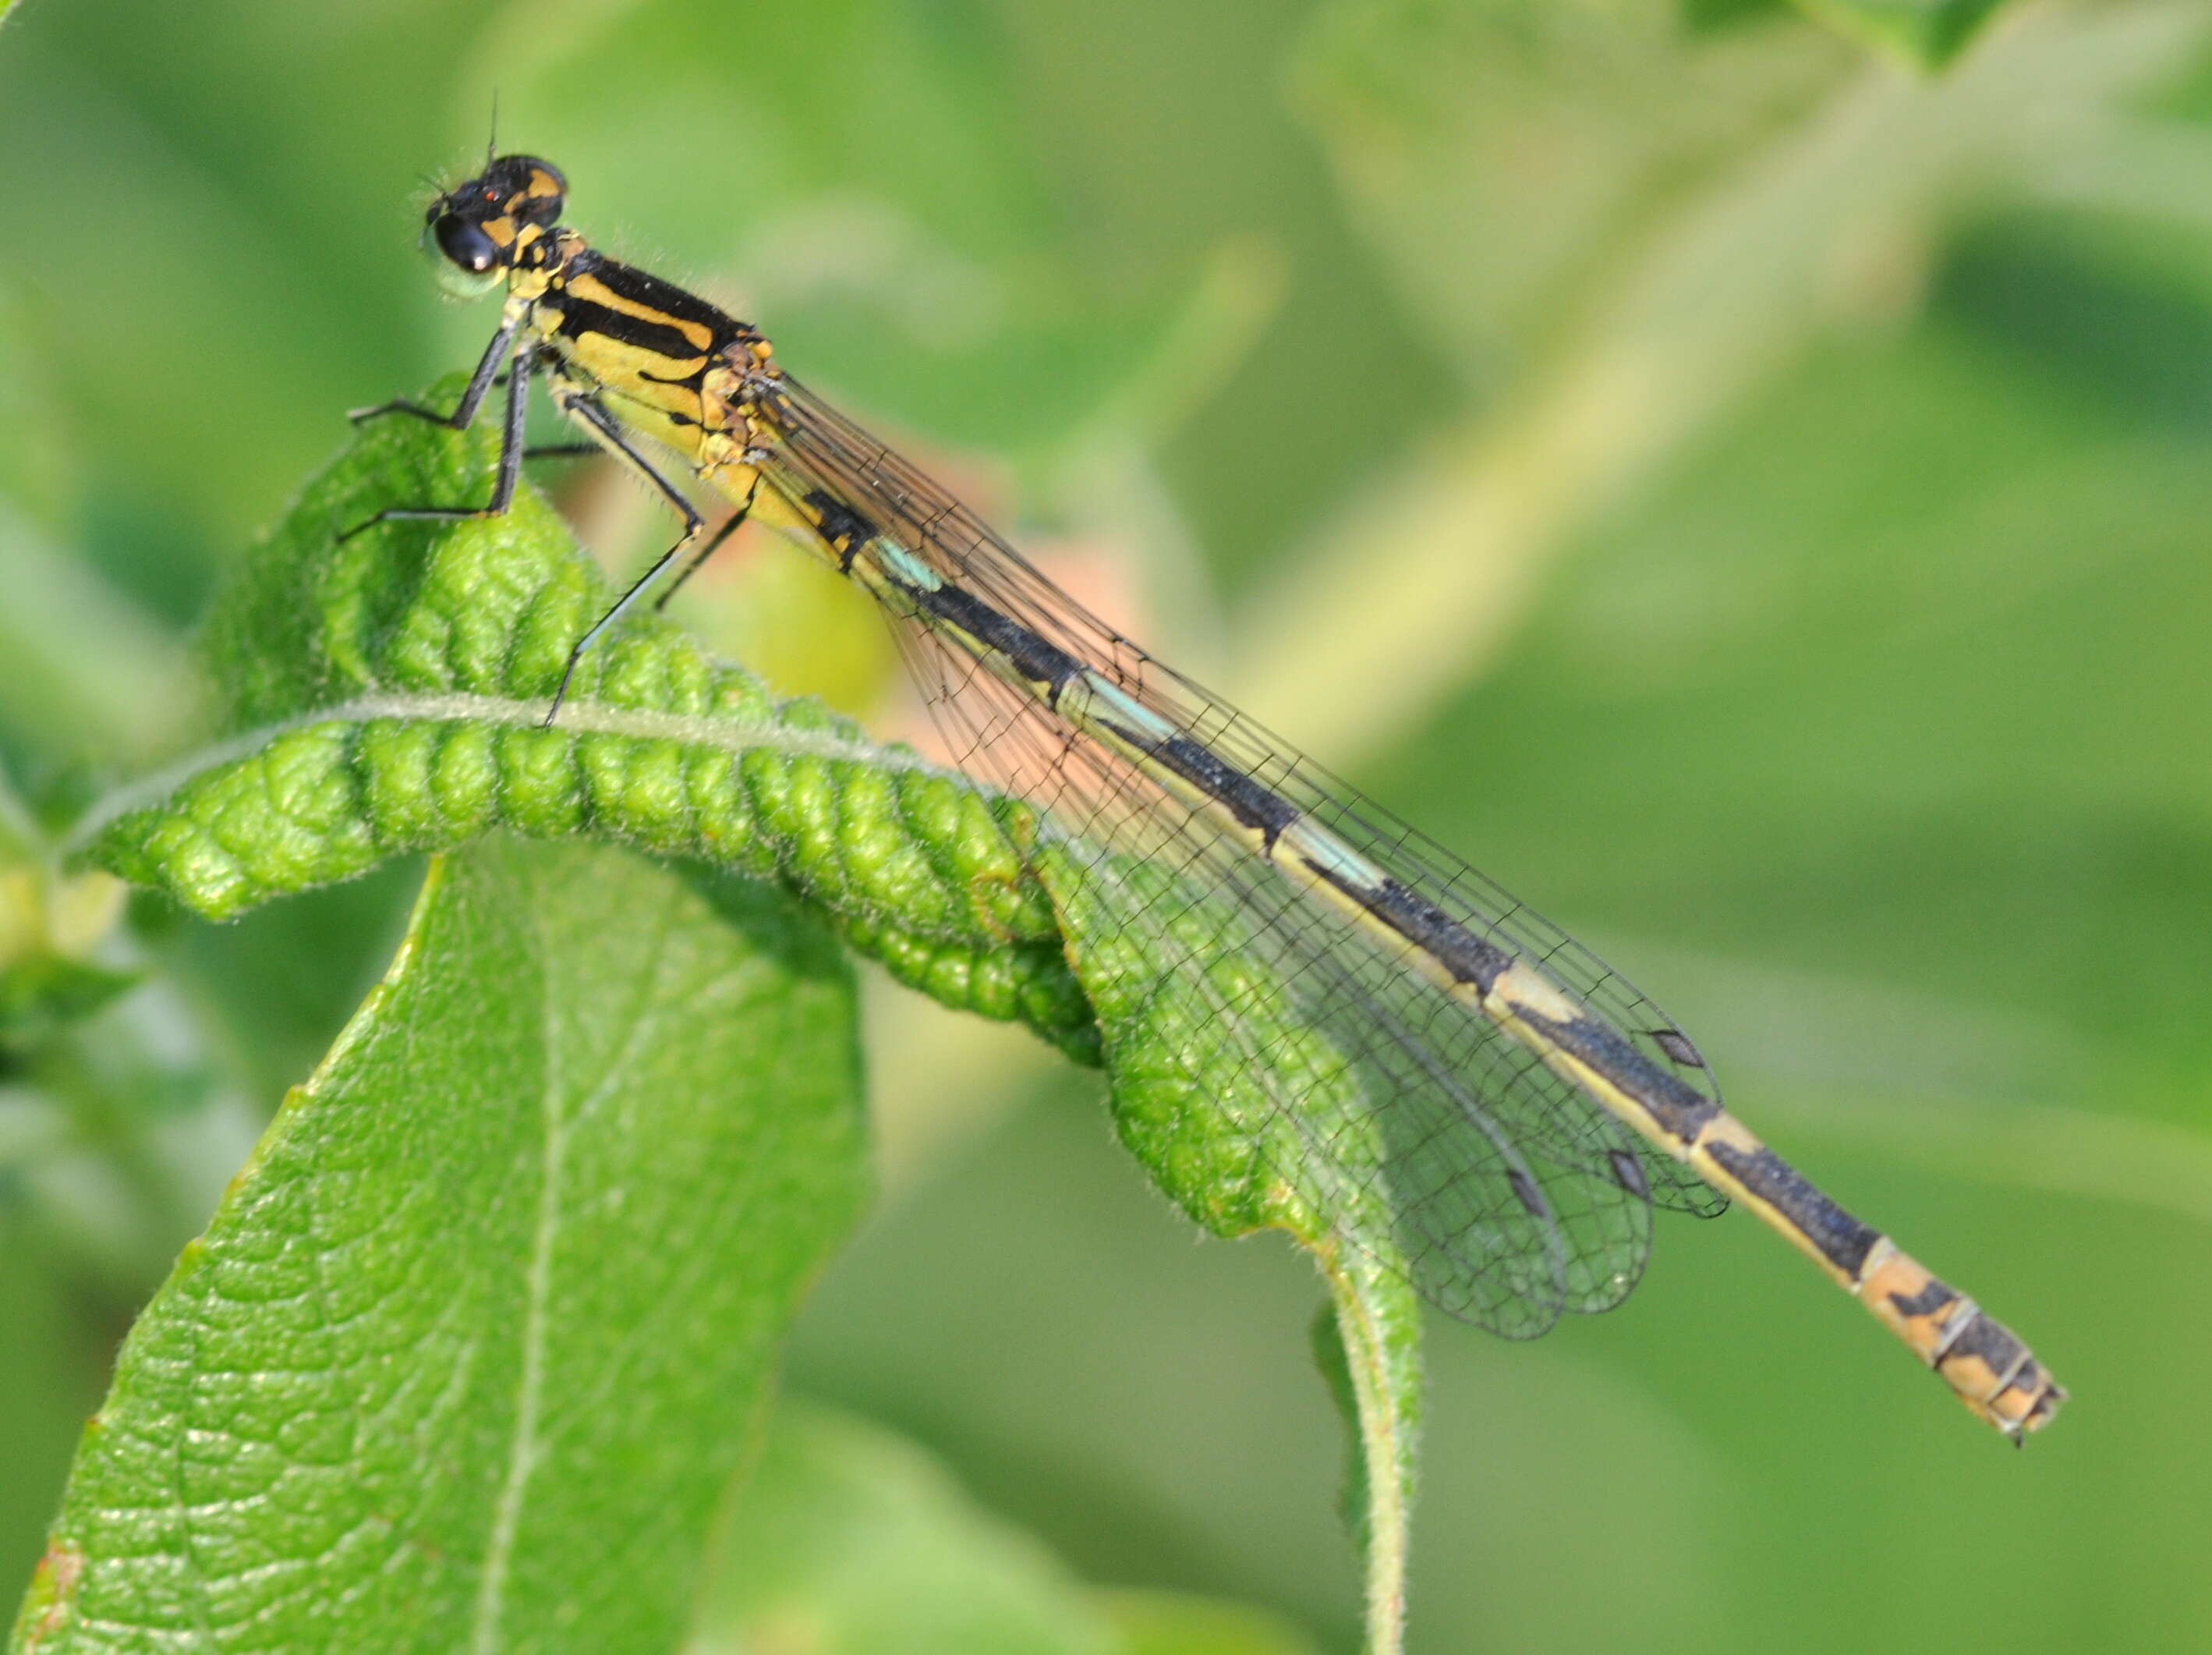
(1533, 1107)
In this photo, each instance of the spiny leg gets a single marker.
(736, 521)
(465, 413)
(609, 436)
(510, 446)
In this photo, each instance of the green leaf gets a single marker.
(1701, 16)
(469, 1349)
(42, 993)
(1719, 203)
(37, 469)
(898, 236)
(1510, 160)
(849, 1541)
(1923, 34)
(385, 696)
(1175, 1623)
(39, 1376)
(1225, 1047)
(50, 926)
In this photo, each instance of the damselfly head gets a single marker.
(480, 226)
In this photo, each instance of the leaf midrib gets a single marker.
(729, 734)
(558, 1123)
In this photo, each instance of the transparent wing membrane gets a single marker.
(1431, 1159)
(1501, 1179)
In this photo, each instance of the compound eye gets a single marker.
(465, 243)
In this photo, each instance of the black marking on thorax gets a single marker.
(580, 316)
(844, 530)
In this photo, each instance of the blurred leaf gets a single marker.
(2015, 1145)
(1828, 220)
(89, 672)
(108, 1111)
(548, 1206)
(848, 1541)
(1919, 554)
(286, 289)
(51, 924)
(1171, 1623)
(43, 1370)
(1703, 15)
(37, 464)
(875, 208)
(1920, 33)
(1923, 34)
(1510, 159)
(42, 993)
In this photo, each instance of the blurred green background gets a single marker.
(1751, 498)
